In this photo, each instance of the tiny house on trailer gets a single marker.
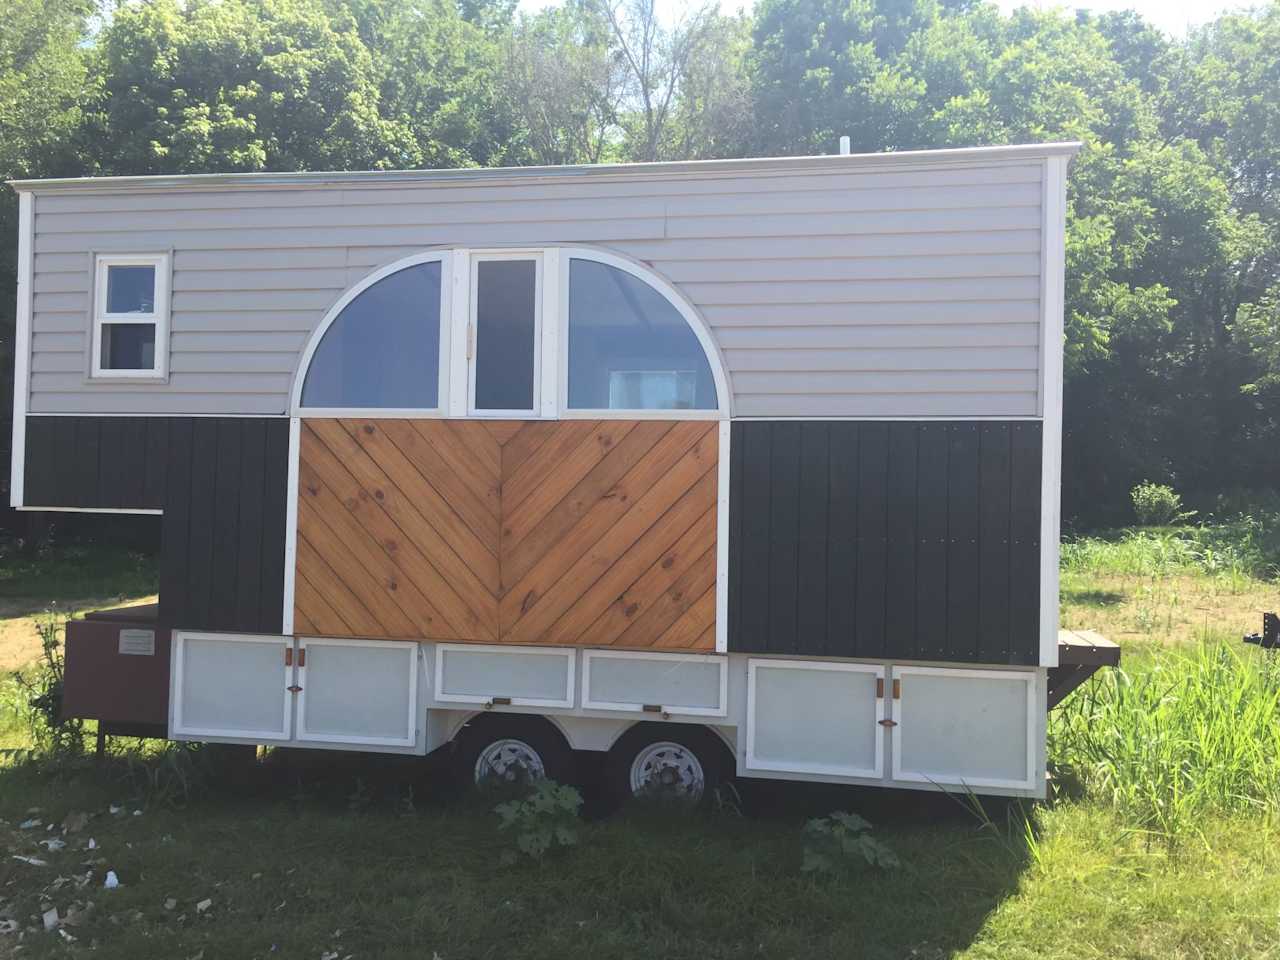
(713, 467)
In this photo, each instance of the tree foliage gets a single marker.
(1173, 232)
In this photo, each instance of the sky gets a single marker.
(1172, 16)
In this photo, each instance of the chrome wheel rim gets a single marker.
(668, 769)
(509, 761)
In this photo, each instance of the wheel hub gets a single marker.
(669, 770)
(509, 761)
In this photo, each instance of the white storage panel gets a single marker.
(807, 716)
(678, 683)
(358, 691)
(966, 728)
(518, 676)
(231, 686)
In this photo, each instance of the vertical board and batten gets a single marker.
(220, 483)
(853, 287)
(903, 540)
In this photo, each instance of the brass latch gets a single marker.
(497, 702)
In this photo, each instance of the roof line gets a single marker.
(828, 163)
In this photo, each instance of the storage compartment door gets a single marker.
(358, 691)
(815, 717)
(504, 676)
(968, 728)
(691, 684)
(231, 686)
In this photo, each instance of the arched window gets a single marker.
(383, 348)
(629, 347)
(542, 332)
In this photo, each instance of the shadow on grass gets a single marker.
(1092, 598)
(381, 848)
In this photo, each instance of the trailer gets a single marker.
(706, 468)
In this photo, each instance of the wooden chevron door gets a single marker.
(594, 533)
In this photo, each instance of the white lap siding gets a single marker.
(836, 286)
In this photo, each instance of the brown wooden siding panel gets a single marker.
(599, 533)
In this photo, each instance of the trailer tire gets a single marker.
(508, 750)
(666, 762)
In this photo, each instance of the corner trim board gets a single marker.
(291, 526)
(22, 345)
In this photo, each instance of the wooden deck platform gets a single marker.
(1081, 653)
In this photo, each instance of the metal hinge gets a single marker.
(294, 688)
(886, 722)
(288, 656)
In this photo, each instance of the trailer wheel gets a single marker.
(668, 762)
(511, 750)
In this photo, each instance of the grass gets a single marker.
(1161, 841)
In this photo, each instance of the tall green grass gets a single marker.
(1190, 733)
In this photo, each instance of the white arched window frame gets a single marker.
(457, 307)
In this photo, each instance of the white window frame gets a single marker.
(567, 654)
(472, 334)
(159, 317)
(551, 348)
(444, 258)
(180, 730)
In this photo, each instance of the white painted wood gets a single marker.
(22, 347)
(554, 342)
(230, 686)
(478, 673)
(1050, 393)
(540, 321)
(723, 472)
(958, 727)
(358, 692)
(815, 717)
(688, 684)
(291, 526)
(159, 317)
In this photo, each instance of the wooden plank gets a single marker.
(811, 552)
(343, 598)
(993, 542)
(204, 464)
(112, 480)
(430, 503)
(133, 459)
(873, 539)
(531, 435)
(689, 628)
(476, 512)
(275, 499)
(175, 553)
(477, 442)
(225, 574)
(1024, 558)
(155, 460)
(687, 452)
(900, 569)
(484, 484)
(86, 481)
(689, 512)
(526, 477)
(595, 446)
(40, 468)
(525, 547)
(671, 604)
(842, 553)
(503, 430)
(931, 555)
(349, 562)
(736, 543)
(962, 547)
(408, 550)
(627, 616)
(784, 536)
(603, 572)
(752, 627)
(249, 526)
(310, 602)
(398, 588)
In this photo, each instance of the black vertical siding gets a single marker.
(916, 540)
(221, 483)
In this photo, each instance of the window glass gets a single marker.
(131, 289)
(128, 346)
(506, 327)
(629, 347)
(383, 349)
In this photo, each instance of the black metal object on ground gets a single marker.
(1269, 638)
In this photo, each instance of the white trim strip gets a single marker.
(722, 537)
(22, 346)
(140, 511)
(291, 525)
